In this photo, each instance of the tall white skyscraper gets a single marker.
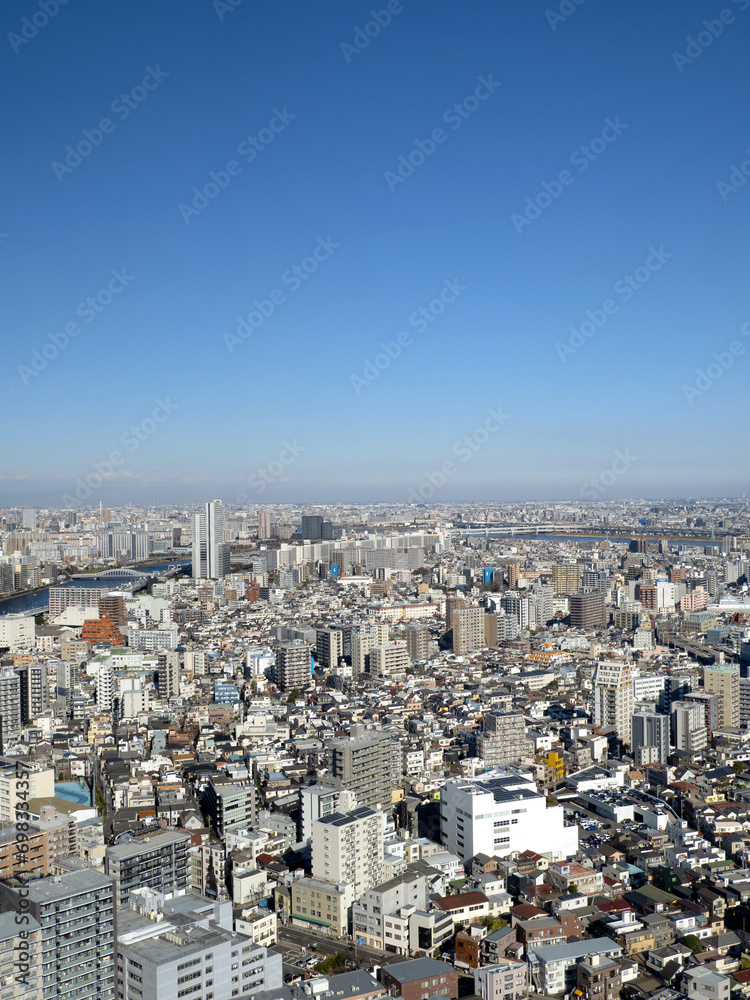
(210, 551)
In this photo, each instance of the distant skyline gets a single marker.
(332, 255)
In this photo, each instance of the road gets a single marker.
(294, 940)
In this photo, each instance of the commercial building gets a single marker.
(499, 813)
(348, 847)
(77, 916)
(159, 863)
(322, 905)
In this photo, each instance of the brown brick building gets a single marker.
(421, 976)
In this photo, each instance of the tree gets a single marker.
(738, 768)
(293, 696)
(693, 942)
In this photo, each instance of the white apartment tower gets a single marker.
(210, 552)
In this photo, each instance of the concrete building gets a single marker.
(230, 805)
(20, 976)
(34, 690)
(553, 968)
(499, 813)
(10, 704)
(189, 950)
(292, 670)
(375, 915)
(723, 679)
(613, 698)
(159, 863)
(507, 980)
(417, 641)
(651, 730)
(322, 905)
(362, 764)
(210, 553)
(329, 647)
(419, 978)
(588, 611)
(348, 847)
(468, 629)
(502, 740)
(77, 916)
(389, 661)
(319, 801)
(599, 978)
(688, 726)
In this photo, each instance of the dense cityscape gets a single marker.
(427, 750)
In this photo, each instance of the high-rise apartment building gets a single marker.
(417, 641)
(348, 847)
(168, 673)
(329, 647)
(613, 698)
(77, 914)
(210, 552)
(588, 611)
(723, 679)
(20, 976)
(10, 704)
(468, 629)
(292, 670)
(689, 731)
(502, 740)
(159, 863)
(389, 661)
(651, 730)
(34, 690)
(566, 578)
(264, 525)
(362, 764)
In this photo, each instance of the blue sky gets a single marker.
(294, 406)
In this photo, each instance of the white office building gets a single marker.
(499, 813)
